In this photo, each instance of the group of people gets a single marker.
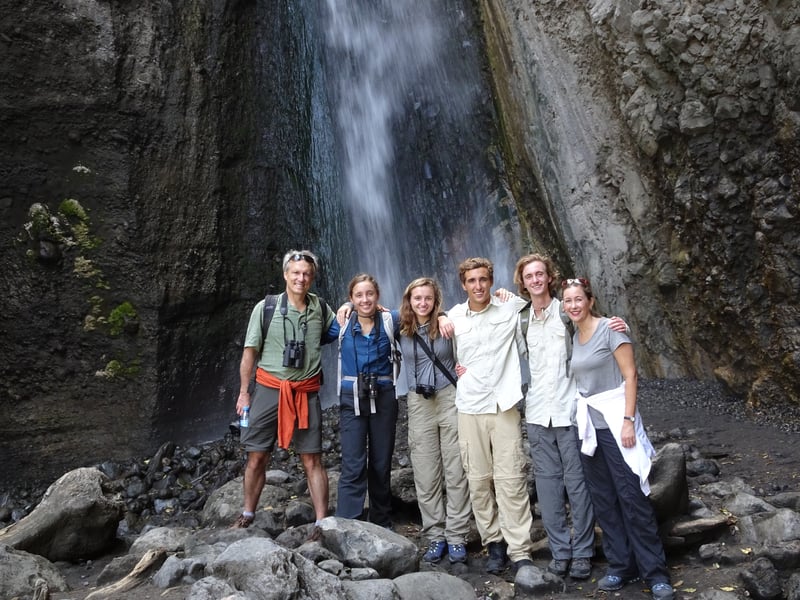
(462, 368)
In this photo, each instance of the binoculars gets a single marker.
(294, 354)
(367, 386)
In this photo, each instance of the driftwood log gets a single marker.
(144, 569)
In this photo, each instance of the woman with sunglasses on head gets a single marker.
(442, 488)
(615, 451)
(367, 402)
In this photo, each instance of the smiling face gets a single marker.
(478, 285)
(299, 275)
(537, 282)
(576, 303)
(364, 297)
(422, 301)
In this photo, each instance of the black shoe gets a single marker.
(496, 563)
(581, 568)
(558, 566)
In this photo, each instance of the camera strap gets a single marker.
(435, 359)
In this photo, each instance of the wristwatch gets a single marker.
(631, 419)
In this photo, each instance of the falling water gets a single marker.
(415, 125)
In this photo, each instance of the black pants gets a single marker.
(630, 532)
(367, 447)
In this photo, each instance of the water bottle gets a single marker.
(244, 420)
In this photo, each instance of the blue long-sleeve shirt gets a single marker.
(366, 353)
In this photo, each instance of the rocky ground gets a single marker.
(761, 447)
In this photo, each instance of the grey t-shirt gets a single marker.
(420, 370)
(594, 367)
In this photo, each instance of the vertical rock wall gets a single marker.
(662, 141)
(123, 310)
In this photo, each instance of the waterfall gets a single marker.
(421, 176)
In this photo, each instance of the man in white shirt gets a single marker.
(550, 414)
(489, 433)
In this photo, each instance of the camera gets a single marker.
(294, 354)
(367, 386)
(426, 391)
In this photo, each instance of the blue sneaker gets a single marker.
(661, 591)
(435, 551)
(457, 553)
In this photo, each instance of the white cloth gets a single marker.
(612, 405)
(485, 344)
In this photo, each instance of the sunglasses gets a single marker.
(305, 257)
(579, 281)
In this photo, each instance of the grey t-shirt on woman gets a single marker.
(594, 367)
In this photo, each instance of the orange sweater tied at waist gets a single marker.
(292, 402)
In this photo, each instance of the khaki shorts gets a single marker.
(263, 430)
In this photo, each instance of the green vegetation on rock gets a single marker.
(121, 316)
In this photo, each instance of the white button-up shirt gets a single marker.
(551, 395)
(485, 345)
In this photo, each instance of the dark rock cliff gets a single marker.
(123, 309)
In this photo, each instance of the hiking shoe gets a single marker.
(525, 562)
(612, 583)
(496, 562)
(558, 566)
(580, 568)
(527, 576)
(435, 551)
(661, 591)
(457, 553)
(243, 522)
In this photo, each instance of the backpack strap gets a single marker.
(524, 320)
(270, 302)
(394, 352)
(348, 325)
(323, 307)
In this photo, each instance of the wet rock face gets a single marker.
(121, 321)
(665, 139)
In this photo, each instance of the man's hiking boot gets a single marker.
(496, 563)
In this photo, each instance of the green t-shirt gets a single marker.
(291, 327)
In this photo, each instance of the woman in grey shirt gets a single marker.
(615, 452)
(442, 488)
